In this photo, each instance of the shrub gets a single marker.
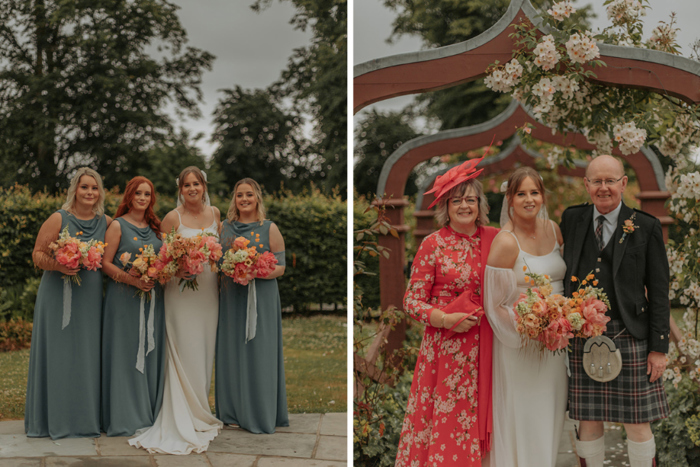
(678, 436)
(15, 334)
(313, 226)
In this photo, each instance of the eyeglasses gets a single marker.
(607, 182)
(471, 201)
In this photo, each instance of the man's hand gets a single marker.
(656, 365)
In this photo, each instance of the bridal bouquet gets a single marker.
(143, 266)
(73, 253)
(243, 264)
(551, 320)
(188, 255)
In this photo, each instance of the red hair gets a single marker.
(129, 193)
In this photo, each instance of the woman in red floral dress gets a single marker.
(448, 417)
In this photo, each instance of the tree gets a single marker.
(316, 81)
(77, 86)
(258, 139)
(377, 136)
(445, 22)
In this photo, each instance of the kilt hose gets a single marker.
(629, 398)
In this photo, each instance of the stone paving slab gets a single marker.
(332, 448)
(313, 440)
(220, 459)
(190, 460)
(335, 424)
(117, 446)
(20, 462)
(280, 462)
(98, 461)
(21, 446)
(301, 423)
(238, 441)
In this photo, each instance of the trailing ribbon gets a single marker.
(67, 299)
(142, 353)
(251, 320)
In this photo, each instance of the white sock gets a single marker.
(641, 454)
(592, 451)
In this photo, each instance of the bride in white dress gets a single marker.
(529, 388)
(185, 423)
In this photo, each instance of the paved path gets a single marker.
(615, 446)
(311, 440)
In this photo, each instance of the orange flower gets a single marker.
(135, 239)
(524, 268)
(574, 279)
(590, 277)
(575, 294)
(583, 282)
(546, 276)
(527, 278)
(595, 283)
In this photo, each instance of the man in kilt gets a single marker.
(629, 261)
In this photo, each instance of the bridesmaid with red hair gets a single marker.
(133, 331)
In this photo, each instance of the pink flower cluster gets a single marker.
(243, 263)
(551, 320)
(188, 255)
(74, 253)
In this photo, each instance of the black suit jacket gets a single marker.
(640, 270)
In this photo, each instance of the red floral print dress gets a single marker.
(440, 427)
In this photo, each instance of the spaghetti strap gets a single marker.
(554, 232)
(178, 215)
(515, 237)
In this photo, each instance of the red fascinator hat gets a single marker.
(453, 177)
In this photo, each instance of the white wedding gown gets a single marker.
(529, 388)
(185, 423)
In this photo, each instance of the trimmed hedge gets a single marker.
(312, 224)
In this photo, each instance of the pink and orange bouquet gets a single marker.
(243, 263)
(74, 253)
(551, 320)
(188, 255)
(143, 266)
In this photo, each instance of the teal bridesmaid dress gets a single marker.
(133, 340)
(250, 387)
(63, 387)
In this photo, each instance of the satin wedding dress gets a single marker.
(185, 423)
(529, 387)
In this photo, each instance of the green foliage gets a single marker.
(316, 82)
(15, 334)
(78, 86)
(313, 226)
(258, 139)
(677, 437)
(366, 284)
(314, 229)
(377, 136)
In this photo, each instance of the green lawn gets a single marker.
(315, 356)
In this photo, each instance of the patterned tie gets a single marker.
(599, 232)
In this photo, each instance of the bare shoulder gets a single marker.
(109, 220)
(54, 221)
(170, 221)
(504, 251)
(114, 227)
(217, 213)
(557, 232)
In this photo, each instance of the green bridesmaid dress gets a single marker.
(63, 388)
(250, 387)
(133, 337)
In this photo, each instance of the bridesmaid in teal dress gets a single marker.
(250, 387)
(63, 388)
(133, 329)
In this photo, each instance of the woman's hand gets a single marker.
(464, 326)
(184, 275)
(67, 271)
(146, 286)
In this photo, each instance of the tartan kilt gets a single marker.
(629, 398)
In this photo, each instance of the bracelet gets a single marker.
(442, 320)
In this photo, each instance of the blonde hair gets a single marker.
(517, 178)
(99, 207)
(441, 214)
(181, 181)
(233, 214)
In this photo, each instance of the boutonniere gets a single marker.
(628, 227)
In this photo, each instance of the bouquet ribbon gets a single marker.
(67, 305)
(251, 320)
(142, 352)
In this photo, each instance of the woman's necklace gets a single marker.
(191, 213)
(534, 237)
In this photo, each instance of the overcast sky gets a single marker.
(373, 26)
(251, 48)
